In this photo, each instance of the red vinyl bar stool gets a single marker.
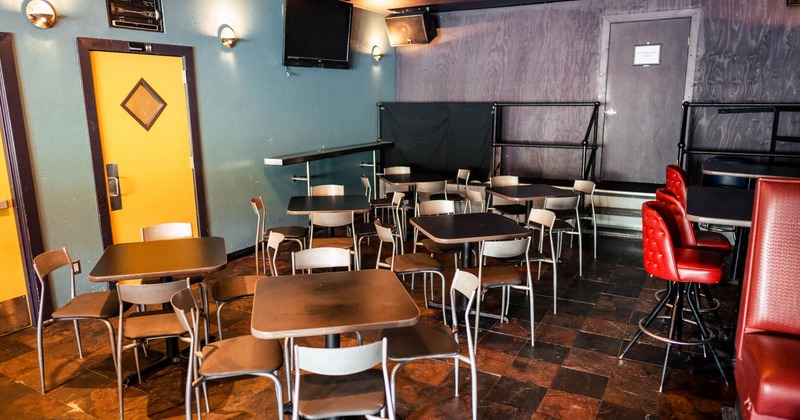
(684, 269)
(677, 182)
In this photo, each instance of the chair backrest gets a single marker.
(367, 186)
(161, 231)
(542, 217)
(327, 189)
(431, 187)
(340, 362)
(476, 199)
(149, 293)
(322, 257)
(677, 181)
(586, 188)
(397, 170)
(771, 287)
(385, 236)
(504, 180)
(430, 208)
(465, 284)
(47, 262)
(274, 242)
(561, 203)
(185, 307)
(332, 219)
(508, 248)
(658, 229)
(686, 236)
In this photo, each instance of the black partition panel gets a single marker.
(439, 136)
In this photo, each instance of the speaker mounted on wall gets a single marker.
(410, 28)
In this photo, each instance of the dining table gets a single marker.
(164, 259)
(749, 170)
(308, 204)
(329, 304)
(528, 192)
(468, 228)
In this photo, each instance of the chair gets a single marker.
(768, 333)
(541, 220)
(387, 188)
(231, 289)
(439, 341)
(333, 220)
(585, 189)
(405, 264)
(327, 189)
(138, 327)
(383, 203)
(691, 237)
(100, 306)
(677, 181)
(239, 356)
(179, 230)
(567, 223)
(457, 191)
(341, 382)
(316, 258)
(683, 269)
(432, 208)
(476, 200)
(426, 191)
(291, 233)
(504, 206)
(503, 273)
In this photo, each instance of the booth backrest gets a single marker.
(771, 288)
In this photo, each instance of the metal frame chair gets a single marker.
(438, 341)
(540, 220)
(231, 289)
(100, 306)
(585, 189)
(566, 209)
(240, 356)
(341, 382)
(291, 233)
(432, 208)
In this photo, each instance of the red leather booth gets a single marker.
(767, 368)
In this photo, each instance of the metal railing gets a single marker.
(587, 145)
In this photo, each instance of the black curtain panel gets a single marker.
(439, 136)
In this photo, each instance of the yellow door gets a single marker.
(13, 292)
(146, 145)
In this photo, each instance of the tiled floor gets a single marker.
(572, 372)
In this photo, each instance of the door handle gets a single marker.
(611, 112)
(114, 190)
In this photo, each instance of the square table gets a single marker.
(468, 228)
(529, 192)
(305, 205)
(330, 304)
(165, 259)
(749, 170)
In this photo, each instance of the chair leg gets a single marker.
(219, 305)
(78, 337)
(650, 318)
(705, 334)
(110, 329)
(40, 352)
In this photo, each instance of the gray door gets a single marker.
(643, 101)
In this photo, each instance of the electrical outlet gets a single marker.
(76, 266)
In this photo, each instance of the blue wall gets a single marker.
(249, 109)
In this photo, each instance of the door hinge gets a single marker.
(191, 162)
(184, 76)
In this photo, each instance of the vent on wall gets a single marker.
(410, 28)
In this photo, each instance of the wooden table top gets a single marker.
(528, 192)
(330, 303)
(414, 178)
(167, 258)
(749, 170)
(720, 206)
(470, 227)
(304, 204)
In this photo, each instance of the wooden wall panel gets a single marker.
(747, 52)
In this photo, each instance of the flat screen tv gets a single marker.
(316, 33)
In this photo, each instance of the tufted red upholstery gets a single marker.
(768, 333)
(690, 237)
(677, 182)
(666, 260)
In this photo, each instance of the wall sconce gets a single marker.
(376, 53)
(41, 14)
(228, 36)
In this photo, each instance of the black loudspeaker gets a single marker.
(410, 28)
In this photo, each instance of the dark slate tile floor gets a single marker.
(572, 372)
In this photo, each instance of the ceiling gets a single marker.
(396, 6)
